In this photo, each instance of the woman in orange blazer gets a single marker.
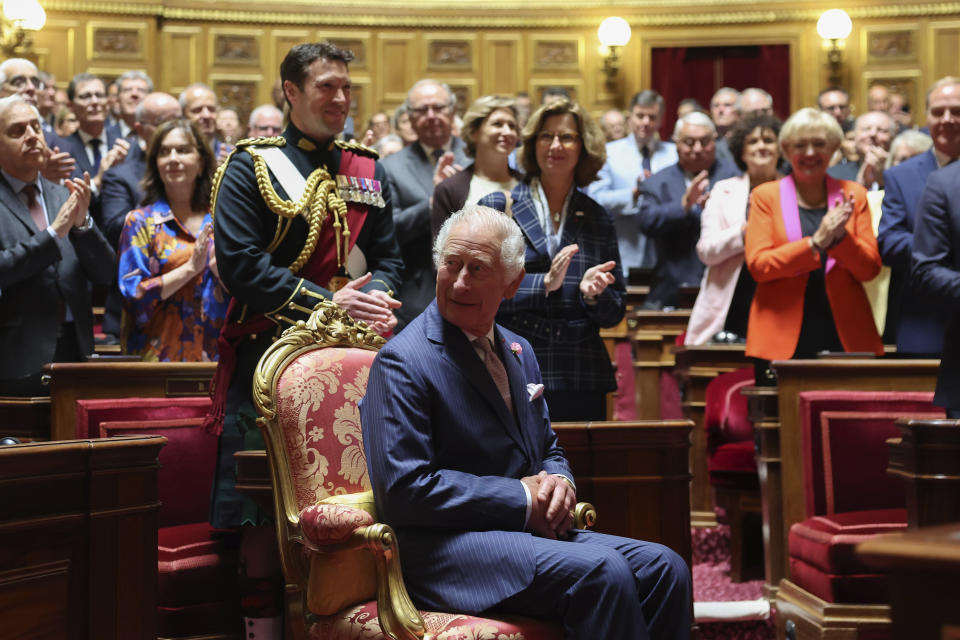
(809, 245)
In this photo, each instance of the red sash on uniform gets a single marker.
(320, 268)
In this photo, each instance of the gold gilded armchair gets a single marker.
(341, 567)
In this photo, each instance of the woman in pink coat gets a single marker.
(723, 305)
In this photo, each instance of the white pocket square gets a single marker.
(535, 391)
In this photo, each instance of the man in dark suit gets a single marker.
(121, 184)
(50, 250)
(935, 273)
(873, 133)
(412, 174)
(916, 325)
(465, 466)
(95, 145)
(671, 202)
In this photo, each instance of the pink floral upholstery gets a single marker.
(360, 623)
(332, 523)
(317, 398)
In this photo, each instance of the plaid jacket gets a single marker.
(563, 329)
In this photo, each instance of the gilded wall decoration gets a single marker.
(466, 92)
(236, 49)
(114, 41)
(449, 54)
(906, 83)
(538, 85)
(356, 44)
(889, 45)
(553, 54)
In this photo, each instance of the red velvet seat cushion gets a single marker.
(864, 588)
(828, 542)
(734, 465)
(196, 564)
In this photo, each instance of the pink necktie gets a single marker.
(33, 204)
(496, 369)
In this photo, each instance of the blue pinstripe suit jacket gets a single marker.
(445, 458)
(563, 328)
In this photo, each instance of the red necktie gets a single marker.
(33, 204)
(496, 369)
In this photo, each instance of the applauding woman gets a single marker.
(174, 302)
(573, 284)
(810, 246)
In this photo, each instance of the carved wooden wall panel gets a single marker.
(397, 61)
(181, 58)
(501, 48)
(239, 92)
(56, 48)
(944, 50)
(503, 63)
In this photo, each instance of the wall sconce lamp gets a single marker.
(613, 33)
(20, 18)
(834, 26)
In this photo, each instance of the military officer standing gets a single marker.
(296, 218)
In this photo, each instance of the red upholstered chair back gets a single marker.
(186, 463)
(844, 447)
(317, 410)
(725, 415)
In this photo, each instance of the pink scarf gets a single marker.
(790, 210)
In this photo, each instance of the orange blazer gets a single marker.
(781, 270)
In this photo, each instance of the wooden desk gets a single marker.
(70, 382)
(780, 462)
(924, 568)
(78, 539)
(25, 418)
(653, 334)
(927, 457)
(695, 366)
(634, 473)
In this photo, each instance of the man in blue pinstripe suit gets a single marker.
(466, 467)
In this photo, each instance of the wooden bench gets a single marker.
(653, 335)
(70, 382)
(78, 539)
(695, 366)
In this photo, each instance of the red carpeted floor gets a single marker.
(725, 610)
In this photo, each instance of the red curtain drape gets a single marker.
(697, 72)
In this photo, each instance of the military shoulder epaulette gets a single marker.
(358, 148)
(275, 141)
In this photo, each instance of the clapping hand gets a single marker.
(198, 259)
(374, 307)
(596, 279)
(697, 192)
(446, 167)
(831, 229)
(558, 268)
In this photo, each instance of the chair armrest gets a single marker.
(584, 516)
(326, 525)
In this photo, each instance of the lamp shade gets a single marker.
(614, 32)
(27, 13)
(834, 24)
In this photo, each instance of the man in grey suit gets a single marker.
(412, 174)
(466, 468)
(50, 250)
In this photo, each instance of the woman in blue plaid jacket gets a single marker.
(573, 284)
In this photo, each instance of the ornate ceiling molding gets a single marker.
(477, 13)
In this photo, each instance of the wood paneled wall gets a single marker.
(481, 47)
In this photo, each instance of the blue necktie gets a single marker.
(95, 145)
